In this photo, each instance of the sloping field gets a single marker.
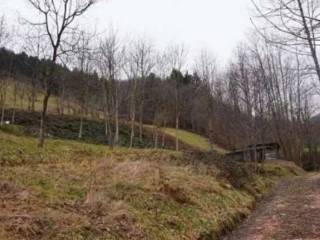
(67, 127)
(194, 140)
(72, 190)
(22, 96)
(60, 127)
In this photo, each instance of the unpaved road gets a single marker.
(291, 212)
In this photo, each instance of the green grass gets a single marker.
(72, 190)
(67, 127)
(52, 104)
(194, 140)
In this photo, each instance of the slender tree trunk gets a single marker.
(43, 119)
(133, 118)
(106, 122)
(141, 121)
(156, 136)
(68, 107)
(61, 100)
(58, 106)
(177, 114)
(210, 127)
(116, 117)
(255, 158)
(2, 110)
(3, 103)
(13, 117)
(81, 124)
(177, 132)
(33, 98)
(133, 111)
(110, 135)
(141, 108)
(22, 99)
(106, 108)
(163, 138)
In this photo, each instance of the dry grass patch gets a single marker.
(83, 191)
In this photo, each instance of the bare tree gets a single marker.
(111, 61)
(84, 59)
(176, 56)
(286, 89)
(58, 18)
(144, 61)
(35, 44)
(297, 22)
(129, 68)
(160, 97)
(206, 68)
(3, 97)
(4, 38)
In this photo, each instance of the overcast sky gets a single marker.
(217, 25)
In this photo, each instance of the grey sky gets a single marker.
(217, 25)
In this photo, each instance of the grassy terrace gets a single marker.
(52, 104)
(72, 190)
(194, 140)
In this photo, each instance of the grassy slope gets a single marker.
(52, 104)
(72, 190)
(67, 127)
(191, 139)
(194, 140)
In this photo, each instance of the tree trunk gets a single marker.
(69, 107)
(3, 106)
(2, 113)
(116, 118)
(33, 98)
(43, 119)
(177, 132)
(133, 116)
(106, 123)
(156, 137)
(13, 117)
(106, 108)
(81, 124)
(310, 40)
(21, 100)
(141, 107)
(163, 139)
(177, 114)
(110, 136)
(133, 112)
(141, 121)
(61, 99)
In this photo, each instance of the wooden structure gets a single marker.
(256, 152)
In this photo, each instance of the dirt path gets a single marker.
(291, 212)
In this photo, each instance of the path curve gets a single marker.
(291, 212)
